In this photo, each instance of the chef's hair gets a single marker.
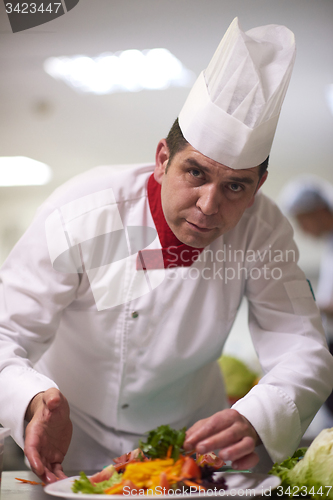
(176, 142)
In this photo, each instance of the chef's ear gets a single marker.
(161, 159)
(260, 183)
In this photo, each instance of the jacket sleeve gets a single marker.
(32, 297)
(287, 334)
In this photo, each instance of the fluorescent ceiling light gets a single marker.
(127, 71)
(22, 171)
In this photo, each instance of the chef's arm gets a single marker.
(32, 298)
(48, 434)
(297, 367)
(229, 432)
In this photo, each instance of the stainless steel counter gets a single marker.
(11, 489)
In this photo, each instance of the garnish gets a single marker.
(159, 441)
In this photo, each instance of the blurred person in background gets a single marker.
(309, 200)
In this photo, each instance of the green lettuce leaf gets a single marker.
(282, 470)
(309, 472)
(83, 485)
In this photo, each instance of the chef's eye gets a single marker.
(235, 188)
(195, 172)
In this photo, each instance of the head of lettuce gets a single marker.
(312, 474)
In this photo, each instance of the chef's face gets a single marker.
(202, 199)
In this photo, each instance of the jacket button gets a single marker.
(125, 406)
(135, 314)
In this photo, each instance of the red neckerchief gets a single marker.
(175, 253)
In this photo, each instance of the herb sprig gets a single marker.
(159, 441)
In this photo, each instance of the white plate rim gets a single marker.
(62, 489)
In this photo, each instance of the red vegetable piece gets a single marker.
(190, 469)
(103, 475)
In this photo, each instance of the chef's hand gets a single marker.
(48, 434)
(230, 433)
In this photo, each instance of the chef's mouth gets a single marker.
(198, 228)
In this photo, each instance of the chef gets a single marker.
(117, 301)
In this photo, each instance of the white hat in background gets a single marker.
(232, 110)
(305, 194)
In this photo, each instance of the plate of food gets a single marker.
(161, 467)
(236, 484)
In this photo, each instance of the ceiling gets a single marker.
(45, 119)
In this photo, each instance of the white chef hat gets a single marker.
(305, 194)
(232, 110)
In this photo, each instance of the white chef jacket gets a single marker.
(134, 349)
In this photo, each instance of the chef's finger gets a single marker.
(52, 398)
(238, 450)
(209, 426)
(247, 462)
(58, 472)
(194, 428)
(35, 460)
(216, 422)
(235, 433)
(49, 476)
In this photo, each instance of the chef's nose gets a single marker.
(209, 200)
